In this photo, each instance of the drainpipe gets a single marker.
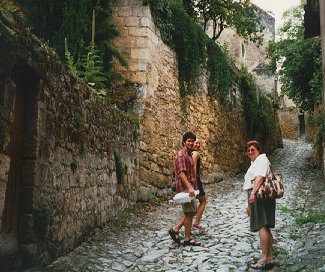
(322, 30)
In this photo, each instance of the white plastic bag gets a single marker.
(183, 197)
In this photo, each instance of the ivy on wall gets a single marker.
(221, 76)
(258, 110)
(194, 49)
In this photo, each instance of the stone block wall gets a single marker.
(79, 161)
(295, 124)
(165, 115)
(289, 123)
(310, 129)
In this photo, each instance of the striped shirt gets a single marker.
(184, 163)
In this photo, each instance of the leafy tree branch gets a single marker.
(298, 61)
(241, 15)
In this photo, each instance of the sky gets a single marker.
(277, 7)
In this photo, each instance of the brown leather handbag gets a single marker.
(271, 188)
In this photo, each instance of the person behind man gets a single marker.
(185, 181)
(201, 196)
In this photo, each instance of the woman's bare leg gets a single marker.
(200, 209)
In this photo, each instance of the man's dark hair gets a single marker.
(188, 135)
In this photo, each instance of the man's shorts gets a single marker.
(190, 207)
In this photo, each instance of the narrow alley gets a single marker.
(139, 241)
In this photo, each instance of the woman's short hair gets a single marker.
(253, 143)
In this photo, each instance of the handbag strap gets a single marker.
(272, 173)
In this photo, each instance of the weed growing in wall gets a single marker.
(74, 165)
(120, 170)
(2, 136)
(42, 220)
(132, 117)
(151, 197)
(83, 149)
(135, 161)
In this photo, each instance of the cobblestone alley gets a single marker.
(139, 241)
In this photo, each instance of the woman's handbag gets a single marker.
(271, 188)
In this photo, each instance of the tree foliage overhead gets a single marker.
(298, 61)
(241, 15)
(11, 15)
(56, 21)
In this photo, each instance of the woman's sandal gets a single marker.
(191, 243)
(174, 235)
(199, 228)
(259, 264)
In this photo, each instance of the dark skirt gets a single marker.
(200, 185)
(262, 213)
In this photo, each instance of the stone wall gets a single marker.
(295, 124)
(310, 129)
(78, 167)
(289, 123)
(164, 114)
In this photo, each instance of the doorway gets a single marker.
(302, 126)
(10, 211)
(22, 134)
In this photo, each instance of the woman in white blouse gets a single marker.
(261, 212)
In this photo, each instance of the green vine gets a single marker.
(321, 128)
(258, 111)
(194, 49)
(319, 122)
(221, 75)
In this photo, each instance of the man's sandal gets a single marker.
(270, 263)
(174, 235)
(191, 243)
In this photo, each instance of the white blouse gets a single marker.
(259, 167)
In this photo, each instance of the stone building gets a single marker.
(250, 55)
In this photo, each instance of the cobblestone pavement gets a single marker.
(139, 241)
